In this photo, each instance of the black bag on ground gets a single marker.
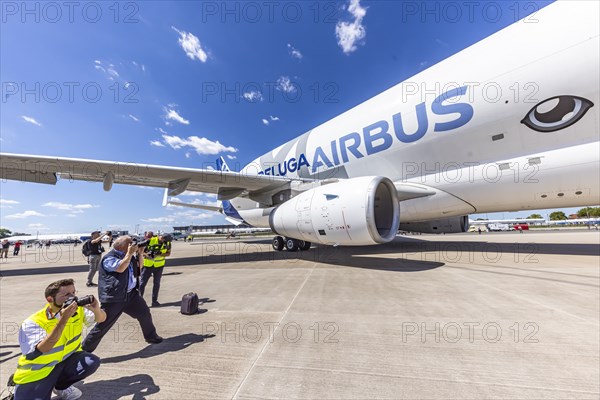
(189, 304)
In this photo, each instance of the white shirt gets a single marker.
(30, 333)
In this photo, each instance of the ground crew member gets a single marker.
(50, 341)
(154, 261)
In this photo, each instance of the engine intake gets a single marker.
(358, 211)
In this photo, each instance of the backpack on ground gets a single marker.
(86, 249)
(189, 304)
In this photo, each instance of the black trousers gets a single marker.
(134, 306)
(78, 366)
(156, 274)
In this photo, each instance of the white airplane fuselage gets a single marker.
(510, 123)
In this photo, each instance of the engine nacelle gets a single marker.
(358, 211)
(447, 225)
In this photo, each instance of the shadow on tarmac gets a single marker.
(399, 255)
(9, 353)
(139, 386)
(175, 343)
(365, 257)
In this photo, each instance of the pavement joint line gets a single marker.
(426, 378)
(534, 270)
(522, 275)
(526, 299)
(266, 345)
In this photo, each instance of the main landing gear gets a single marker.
(279, 243)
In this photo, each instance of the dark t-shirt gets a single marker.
(96, 248)
(6, 245)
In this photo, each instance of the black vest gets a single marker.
(112, 286)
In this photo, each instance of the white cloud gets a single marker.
(200, 144)
(73, 208)
(191, 45)
(25, 214)
(31, 120)
(253, 96)
(142, 66)
(7, 203)
(160, 220)
(229, 156)
(112, 71)
(39, 227)
(295, 53)
(157, 143)
(268, 121)
(284, 84)
(349, 33)
(109, 69)
(161, 130)
(182, 217)
(173, 115)
(212, 196)
(133, 117)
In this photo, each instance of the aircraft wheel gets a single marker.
(303, 245)
(291, 244)
(278, 243)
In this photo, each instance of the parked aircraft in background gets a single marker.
(510, 123)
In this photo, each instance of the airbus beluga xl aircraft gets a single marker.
(510, 123)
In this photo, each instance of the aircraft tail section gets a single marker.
(222, 165)
(231, 214)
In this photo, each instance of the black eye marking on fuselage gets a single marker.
(567, 111)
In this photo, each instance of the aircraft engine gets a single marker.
(358, 211)
(447, 225)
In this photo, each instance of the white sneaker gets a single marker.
(70, 393)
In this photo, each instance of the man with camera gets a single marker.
(93, 250)
(50, 340)
(118, 292)
(154, 260)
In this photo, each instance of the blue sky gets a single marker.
(181, 83)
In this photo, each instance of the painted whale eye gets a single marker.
(556, 113)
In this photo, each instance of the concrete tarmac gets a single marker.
(496, 315)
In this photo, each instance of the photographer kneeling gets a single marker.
(50, 341)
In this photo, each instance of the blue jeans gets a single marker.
(78, 366)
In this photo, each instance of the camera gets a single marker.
(142, 244)
(81, 301)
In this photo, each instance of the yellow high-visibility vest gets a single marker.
(158, 261)
(69, 342)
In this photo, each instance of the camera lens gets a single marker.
(85, 300)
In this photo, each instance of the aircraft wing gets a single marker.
(226, 184)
